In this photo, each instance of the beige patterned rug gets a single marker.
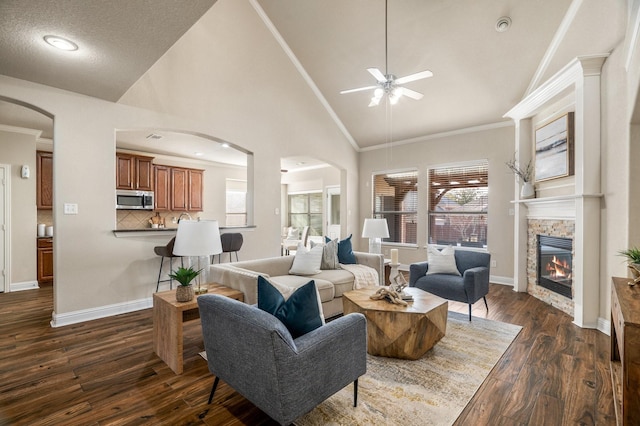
(430, 391)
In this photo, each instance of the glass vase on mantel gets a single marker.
(527, 191)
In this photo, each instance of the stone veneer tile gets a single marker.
(554, 228)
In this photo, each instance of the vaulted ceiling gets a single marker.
(479, 73)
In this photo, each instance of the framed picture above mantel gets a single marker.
(554, 149)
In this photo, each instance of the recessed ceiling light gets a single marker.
(225, 145)
(198, 154)
(60, 43)
(300, 163)
(503, 24)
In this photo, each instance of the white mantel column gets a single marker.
(523, 151)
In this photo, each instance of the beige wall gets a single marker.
(275, 108)
(495, 145)
(17, 149)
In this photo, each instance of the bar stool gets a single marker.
(231, 243)
(165, 251)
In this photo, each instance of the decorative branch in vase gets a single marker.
(524, 175)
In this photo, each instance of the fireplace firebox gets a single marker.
(554, 264)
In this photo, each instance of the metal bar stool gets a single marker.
(165, 251)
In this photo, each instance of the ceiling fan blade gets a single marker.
(412, 94)
(377, 74)
(359, 89)
(413, 77)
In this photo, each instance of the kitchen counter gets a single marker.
(123, 233)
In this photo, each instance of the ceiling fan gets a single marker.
(387, 83)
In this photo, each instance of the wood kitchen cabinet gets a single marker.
(162, 184)
(134, 172)
(45, 261)
(186, 189)
(44, 180)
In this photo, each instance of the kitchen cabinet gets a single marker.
(178, 188)
(134, 172)
(45, 261)
(195, 190)
(162, 185)
(44, 180)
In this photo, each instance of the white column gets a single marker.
(523, 155)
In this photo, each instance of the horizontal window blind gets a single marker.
(458, 205)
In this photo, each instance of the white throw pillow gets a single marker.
(442, 262)
(306, 262)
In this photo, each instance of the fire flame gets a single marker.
(557, 268)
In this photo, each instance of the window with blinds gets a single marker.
(458, 200)
(306, 210)
(395, 198)
(236, 202)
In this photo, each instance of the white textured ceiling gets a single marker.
(118, 40)
(479, 74)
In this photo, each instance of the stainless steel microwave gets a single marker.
(134, 200)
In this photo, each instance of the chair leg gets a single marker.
(485, 303)
(213, 389)
(170, 271)
(237, 260)
(355, 393)
(159, 274)
(469, 312)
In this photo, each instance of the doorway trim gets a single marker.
(5, 195)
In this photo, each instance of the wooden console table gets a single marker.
(625, 350)
(168, 318)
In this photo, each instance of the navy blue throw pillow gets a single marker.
(300, 313)
(345, 251)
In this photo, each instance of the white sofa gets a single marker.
(331, 283)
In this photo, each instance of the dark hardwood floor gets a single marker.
(104, 372)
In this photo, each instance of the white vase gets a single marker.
(527, 190)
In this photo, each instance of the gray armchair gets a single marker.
(254, 353)
(468, 288)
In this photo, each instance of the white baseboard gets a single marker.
(494, 279)
(604, 325)
(25, 285)
(59, 320)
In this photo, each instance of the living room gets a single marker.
(246, 89)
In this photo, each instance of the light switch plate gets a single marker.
(70, 208)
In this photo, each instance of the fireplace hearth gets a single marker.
(554, 264)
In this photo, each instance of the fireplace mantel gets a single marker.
(559, 207)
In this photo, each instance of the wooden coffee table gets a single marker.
(398, 331)
(168, 316)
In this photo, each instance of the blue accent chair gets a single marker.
(468, 288)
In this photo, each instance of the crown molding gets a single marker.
(570, 74)
(440, 135)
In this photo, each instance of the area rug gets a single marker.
(430, 391)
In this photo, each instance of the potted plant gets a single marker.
(633, 259)
(523, 174)
(184, 276)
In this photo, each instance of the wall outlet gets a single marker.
(494, 264)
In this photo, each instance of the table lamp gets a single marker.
(375, 230)
(198, 238)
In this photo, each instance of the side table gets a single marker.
(168, 318)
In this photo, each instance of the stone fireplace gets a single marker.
(550, 262)
(555, 264)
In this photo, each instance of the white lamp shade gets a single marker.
(197, 238)
(375, 228)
